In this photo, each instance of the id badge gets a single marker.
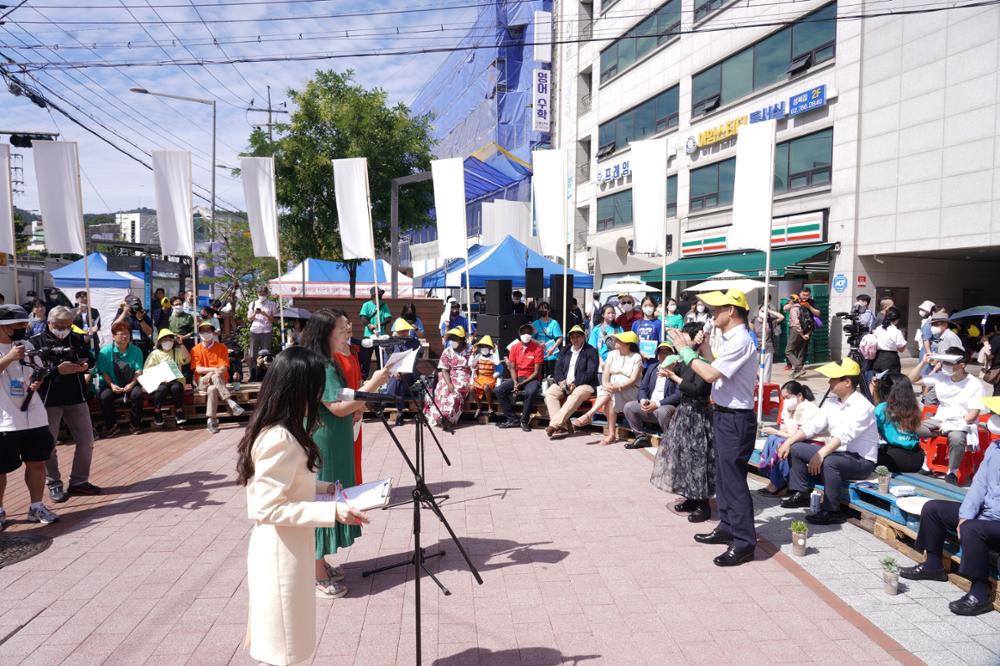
(136, 335)
(16, 388)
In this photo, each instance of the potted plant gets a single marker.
(882, 472)
(800, 533)
(890, 575)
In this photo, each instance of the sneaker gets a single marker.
(236, 410)
(111, 432)
(330, 589)
(158, 418)
(213, 426)
(336, 574)
(951, 478)
(57, 493)
(179, 417)
(42, 515)
(85, 488)
(400, 418)
(3, 519)
(134, 429)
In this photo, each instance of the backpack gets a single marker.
(868, 346)
(806, 321)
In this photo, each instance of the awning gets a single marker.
(749, 263)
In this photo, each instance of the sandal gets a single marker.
(608, 440)
(582, 421)
(330, 589)
(334, 573)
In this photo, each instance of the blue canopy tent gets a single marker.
(504, 261)
(72, 276)
(319, 277)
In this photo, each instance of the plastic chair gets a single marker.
(772, 397)
(936, 450)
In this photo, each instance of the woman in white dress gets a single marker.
(277, 463)
(619, 384)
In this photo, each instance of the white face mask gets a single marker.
(923, 313)
(208, 338)
(167, 345)
(791, 404)
(939, 330)
(453, 344)
(517, 300)
(701, 308)
(648, 310)
(525, 339)
(671, 308)
(62, 334)
(627, 307)
(948, 368)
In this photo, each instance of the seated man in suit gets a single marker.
(576, 380)
(977, 522)
(658, 400)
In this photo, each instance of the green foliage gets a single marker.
(882, 470)
(242, 272)
(799, 527)
(334, 119)
(889, 564)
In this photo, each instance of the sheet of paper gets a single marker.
(401, 362)
(364, 497)
(163, 372)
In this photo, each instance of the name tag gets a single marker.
(16, 388)
(136, 335)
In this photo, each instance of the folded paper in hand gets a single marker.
(401, 362)
(165, 371)
(364, 497)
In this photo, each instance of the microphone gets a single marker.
(348, 395)
(368, 343)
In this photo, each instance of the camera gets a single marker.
(852, 327)
(44, 363)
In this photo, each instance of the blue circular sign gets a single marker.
(840, 283)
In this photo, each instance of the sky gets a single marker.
(146, 31)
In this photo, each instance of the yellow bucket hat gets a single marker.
(164, 333)
(486, 341)
(992, 404)
(666, 344)
(846, 368)
(627, 336)
(458, 332)
(731, 297)
(576, 329)
(401, 325)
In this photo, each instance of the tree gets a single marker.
(236, 268)
(335, 118)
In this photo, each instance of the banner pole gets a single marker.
(663, 280)
(571, 184)
(83, 229)
(281, 301)
(765, 331)
(371, 232)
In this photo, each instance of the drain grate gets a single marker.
(17, 547)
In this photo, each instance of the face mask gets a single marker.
(627, 307)
(791, 404)
(701, 308)
(517, 300)
(648, 310)
(207, 337)
(671, 308)
(453, 344)
(947, 368)
(922, 313)
(938, 330)
(61, 334)
(525, 339)
(485, 352)
(18, 333)
(167, 345)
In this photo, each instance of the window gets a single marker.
(672, 196)
(808, 42)
(614, 210)
(804, 162)
(641, 40)
(703, 8)
(712, 185)
(651, 117)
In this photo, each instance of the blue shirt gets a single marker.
(454, 322)
(888, 431)
(546, 335)
(982, 501)
(650, 332)
(599, 339)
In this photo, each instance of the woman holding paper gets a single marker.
(329, 333)
(277, 464)
(167, 350)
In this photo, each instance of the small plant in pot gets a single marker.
(882, 472)
(800, 534)
(890, 575)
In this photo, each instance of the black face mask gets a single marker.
(18, 334)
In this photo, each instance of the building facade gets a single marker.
(887, 169)
(137, 228)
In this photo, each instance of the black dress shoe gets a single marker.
(923, 572)
(702, 513)
(969, 605)
(826, 518)
(686, 506)
(716, 536)
(399, 419)
(951, 478)
(734, 556)
(797, 500)
(640, 442)
(525, 427)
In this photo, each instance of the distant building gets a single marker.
(137, 228)
(106, 231)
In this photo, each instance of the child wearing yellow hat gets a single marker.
(484, 380)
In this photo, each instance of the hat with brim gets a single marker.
(577, 329)
(666, 344)
(401, 325)
(486, 341)
(940, 317)
(165, 333)
(12, 314)
(627, 337)
(457, 332)
(717, 299)
(992, 404)
(206, 323)
(263, 353)
(846, 368)
(926, 305)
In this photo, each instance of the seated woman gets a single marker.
(454, 380)
(798, 406)
(619, 384)
(167, 350)
(485, 364)
(399, 384)
(897, 414)
(976, 521)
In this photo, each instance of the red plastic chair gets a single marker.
(772, 397)
(936, 450)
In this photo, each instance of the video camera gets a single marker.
(45, 362)
(854, 329)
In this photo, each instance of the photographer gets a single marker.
(119, 365)
(264, 360)
(24, 435)
(67, 359)
(140, 328)
(88, 320)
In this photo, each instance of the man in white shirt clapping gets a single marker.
(850, 452)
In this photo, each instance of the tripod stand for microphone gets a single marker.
(421, 496)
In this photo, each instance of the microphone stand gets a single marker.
(422, 496)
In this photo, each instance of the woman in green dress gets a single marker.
(329, 332)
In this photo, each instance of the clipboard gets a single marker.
(367, 496)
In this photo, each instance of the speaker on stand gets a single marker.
(556, 296)
(498, 298)
(534, 283)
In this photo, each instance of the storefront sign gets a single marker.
(785, 232)
(840, 283)
(541, 120)
(722, 132)
(862, 281)
(611, 172)
(543, 36)
(807, 101)
(771, 112)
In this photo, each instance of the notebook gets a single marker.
(367, 496)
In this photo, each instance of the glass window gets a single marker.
(817, 29)
(645, 119)
(703, 8)
(712, 185)
(667, 105)
(727, 181)
(641, 40)
(737, 76)
(645, 44)
(652, 116)
(706, 84)
(804, 162)
(771, 59)
(672, 196)
(626, 54)
(781, 167)
(614, 210)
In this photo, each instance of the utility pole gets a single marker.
(268, 110)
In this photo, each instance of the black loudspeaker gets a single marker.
(556, 294)
(498, 299)
(534, 283)
(502, 328)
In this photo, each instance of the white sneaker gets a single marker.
(42, 515)
(235, 409)
(330, 589)
(213, 426)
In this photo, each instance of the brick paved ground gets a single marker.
(582, 563)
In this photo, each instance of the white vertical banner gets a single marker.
(172, 184)
(449, 207)
(350, 184)
(754, 187)
(262, 208)
(6, 203)
(548, 187)
(648, 165)
(60, 199)
(543, 36)
(541, 98)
